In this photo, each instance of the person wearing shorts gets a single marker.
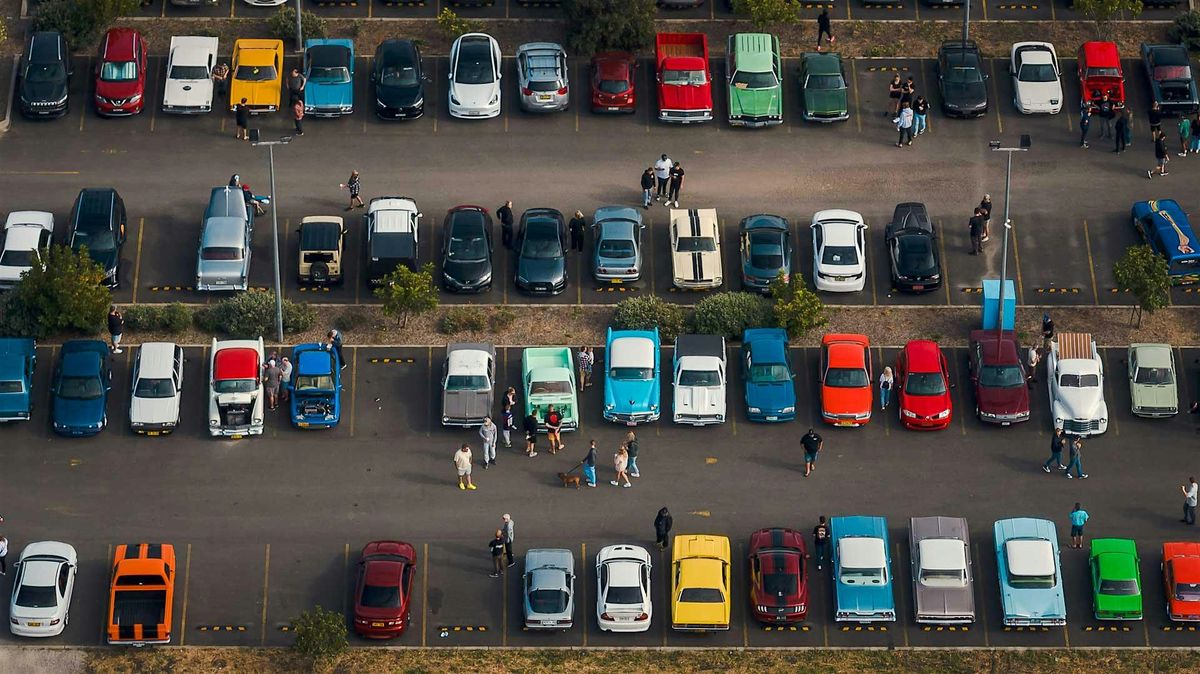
(1079, 517)
(462, 463)
(812, 443)
(554, 421)
(531, 429)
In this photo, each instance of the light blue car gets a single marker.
(1031, 588)
(862, 574)
(329, 69)
(631, 376)
(770, 391)
(617, 255)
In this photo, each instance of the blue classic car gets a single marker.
(617, 254)
(631, 376)
(766, 248)
(1031, 588)
(329, 68)
(80, 389)
(316, 387)
(1164, 226)
(770, 391)
(18, 356)
(862, 575)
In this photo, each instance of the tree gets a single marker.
(595, 25)
(1144, 273)
(797, 309)
(766, 13)
(61, 292)
(320, 633)
(451, 25)
(81, 21)
(408, 293)
(1102, 12)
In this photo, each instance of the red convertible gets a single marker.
(778, 582)
(381, 595)
(1181, 578)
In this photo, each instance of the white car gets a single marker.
(475, 77)
(41, 594)
(265, 3)
(189, 86)
(695, 249)
(1036, 78)
(623, 599)
(235, 388)
(699, 380)
(1076, 379)
(25, 233)
(839, 251)
(157, 388)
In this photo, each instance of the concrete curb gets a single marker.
(12, 94)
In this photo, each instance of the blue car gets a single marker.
(766, 250)
(617, 255)
(1031, 588)
(631, 376)
(18, 356)
(316, 387)
(329, 69)
(862, 574)
(1164, 226)
(770, 391)
(80, 389)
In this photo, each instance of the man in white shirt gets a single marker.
(1189, 501)
(662, 173)
(462, 463)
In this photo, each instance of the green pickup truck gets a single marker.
(755, 86)
(548, 375)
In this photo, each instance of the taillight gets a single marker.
(605, 616)
(562, 91)
(643, 616)
(526, 91)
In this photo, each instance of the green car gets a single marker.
(1116, 581)
(824, 85)
(549, 378)
(755, 89)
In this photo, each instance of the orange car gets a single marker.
(141, 594)
(845, 379)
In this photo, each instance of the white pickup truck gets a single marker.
(699, 380)
(1076, 378)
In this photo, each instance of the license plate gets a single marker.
(613, 109)
(153, 433)
(302, 424)
(772, 418)
(376, 624)
(549, 623)
(845, 423)
(236, 437)
(630, 423)
(543, 99)
(918, 287)
(1006, 423)
(617, 281)
(34, 624)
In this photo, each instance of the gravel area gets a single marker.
(30, 660)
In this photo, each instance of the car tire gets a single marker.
(319, 273)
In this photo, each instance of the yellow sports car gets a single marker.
(257, 74)
(700, 589)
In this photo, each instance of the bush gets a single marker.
(320, 633)
(645, 312)
(60, 293)
(171, 318)
(729, 313)
(451, 25)
(502, 318)
(766, 13)
(463, 319)
(81, 21)
(1187, 30)
(352, 318)
(252, 314)
(797, 309)
(282, 25)
(408, 293)
(594, 25)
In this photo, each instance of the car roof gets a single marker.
(861, 551)
(120, 44)
(1117, 565)
(223, 232)
(839, 233)
(95, 207)
(765, 350)
(321, 232)
(617, 229)
(22, 237)
(1029, 556)
(942, 553)
(1153, 355)
(237, 362)
(466, 361)
(229, 202)
(79, 363)
(156, 360)
(614, 65)
(314, 362)
(40, 572)
(923, 355)
(624, 572)
(46, 46)
(842, 354)
(755, 52)
(383, 571)
(631, 351)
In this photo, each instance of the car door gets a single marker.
(137, 369)
(179, 371)
(66, 586)
(818, 236)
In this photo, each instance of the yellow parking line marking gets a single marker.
(903, 614)
(137, 260)
(505, 8)
(104, 605)
(584, 585)
(187, 574)
(854, 78)
(84, 108)
(982, 614)
(1066, 636)
(262, 635)
(370, 9)
(1146, 633)
(425, 591)
(151, 102)
(1054, 17)
(353, 387)
(1087, 239)
(871, 277)
(1017, 260)
(39, 173)
(662, 564)
(163, 13)
(984, 3)
(231, 5)
(996, 95)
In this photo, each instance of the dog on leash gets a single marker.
(569, 480)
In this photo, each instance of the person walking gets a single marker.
(333, 341)
(589, 465)
(976, 225)
(1194, 148)
(1189, 502)
(554, 420)
(531, 431)
(508, 529)
(920, 116)
(298, 117)
(821, 541)
(1107, 114)
(487, 433)
(1185, 134)
(577, 226)
(354, 184)
(3, 556)
(621, 465)
(812, 443)
(904, 123)
(824, 28)
(116, 324)
(662, 173)
(1119, 139)
(1075, 459)
(886, 381)
(508, 425)
(894, 92)
(1034, 358)
(272, 379)
(296, 84)
(631, 447)
(1047, 332)
(241, 116)
(496, 545)
(985, 207)
(647, 187)
(1160, 155)
(1079, 517)
(587, 360)
(1154, 117)
(220, 78)
(285, 378)
(1128, 114)
(1085, 122)
(662, 527)
(505, 213)
(676, 176)
(462, 463)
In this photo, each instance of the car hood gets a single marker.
(475, 95)
(188, 92)
(825, 101)
(685, 97)
(329, 95)
(1039, 93)
(235, 398)
(699, 399)
(1079, 403)
(1010, 400)
(398, 97)
(43, 91)
(467, 271)
(754, 102)
(153, 410)
(211, 270)
(945, 601)
(106, 259)
(255, 93)
(540, 270)
(771, 397)
(862, 599)
(838, 400)
(466, 404)
(118, 90)
(1155, 395)
(927, 405)
(968, 96)
(13, 402)
(1033, 602)
(72, 412)
(631, 395)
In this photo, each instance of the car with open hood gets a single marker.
(1031, 586)
(766, 248)
(1100, 73)
(624, 602)
(942, 577)
(26, 235)
(316, 386)
(1075, 376)
(541, 247)
(998, 377)
(862, 570)
(778, 575)
(1153, 386)
(226, 237)
(257, 74)
(548, 589)
(613, 75)
(188, 89)
(235, 388)
(383, 590)
(846, 380)
(98, 224)
(475, 71)
(699, 380)
(913, 253)
(755, 73)
(329, 72)
(632, 376)
(1037, 81)
(157, 389)
(79, 391)
(839, 251)
(696, 249)
(701, 583)
(923, 383)
(468, 383)
(1172, 82)
(548, 378)
(770, 385)
(399, 78)
(393, 227)
(823, 83)
(962, 82)
(617, 249)
(467, 250)
(42, 589)
(45, 72)
(1116, 579)
(120, 85)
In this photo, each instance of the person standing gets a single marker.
(589, 465)
(285, 379)
(241, 116)
(894, 92)
(505, 214)
(1107, 113)
(577, 226)
(116, 324)
(812, 443)
(334, 341)
(354, 184)
(272, 380)
(985, 206)
(676, 185)
(821, 541)
(298, 117)
(662, 527)
(587, 360)
(487, 433)
(647, 187)
(620, 466)
(1079, 517)
(462, 463)
(1189, 501)
(296, 84)
(662, 173)
(886, 381)
(907, 91)
(1075, 459)
(531, 431)
(1034, 358)
(1160, 155)
(1185, 134)
(1195, 145)
(1085, 122)
(554, 420)
(920, 115)
(508, 529)
(220, 78)
(496, 545)
(904, 123)
(975, 224)
(1057, 443)
(631, 447)
(3, 556)
(508, 425)
(1119, 141)
(1154, 118)
(824, 28)
(1047, 332)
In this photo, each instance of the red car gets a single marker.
(1181, 578)
(778, 582)
(381, 595)
(1100, 73)
(1001, 391)
(923, 382)
(845, 379)
(613, 74)
(121, 73)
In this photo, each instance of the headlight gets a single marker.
(135, 98)
(678, 279)
(453, 100)
(486, 278)
(787, 410)
(908, 413)
(754, 410)
(942, 415)
(523, 280)
(495, 100)
(1053, 101)
(213, 423)
(654, 408)
(136, 424)
(609, 406)
(987, 415)
(61, 100)
(299, 417)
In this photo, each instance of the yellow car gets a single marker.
(257, 74)
(700, 589)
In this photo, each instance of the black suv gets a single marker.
(98, 222)
(45, 75)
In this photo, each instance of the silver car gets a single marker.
(941, 570)
(223, 260)
(468, 384)
(542, 77)
(549, 589)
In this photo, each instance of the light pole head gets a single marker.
(993, 144)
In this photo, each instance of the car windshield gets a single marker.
(699, 378)
(36, 596)
(329, 74)
(1079, 380)
(467, 382)
(702, 595)
(220, 253)
(189, 73)
(780, 584)
(862, 576)
(613, 86)
(623, 595)
(314, 382)
(846, 377)
(80, 388)
(621, 249)
(697, 244)
(825, 82)
(12, 386)
(544, 85)
(541, 242)
(467, 248)
(631, 373)
(38, 73)
(679, 78)
(1119, 587)
(17, 258)
(552, 387)
(1038, 72)
(119, 71)
(256, 73)
(475, 65)
(839, 255)
(1102, 72)
(1001, 376)
(235, 386)
(925, 384)
(1031, 582)
(1153, 375)
(770, 373)
(154, 388)
(1187, 591)
(381, 596)
(547, 601)
(398, 76)
(97, 242)
(748, 80)
(943, 578)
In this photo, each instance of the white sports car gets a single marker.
(475, 77)
(695, 249)
(25, 233)
(1037, 81)
(235, 389)
(189, 86)
(41, 594)
(839, 251)
(157, 388)
(623, 599)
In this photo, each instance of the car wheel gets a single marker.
(319, 272)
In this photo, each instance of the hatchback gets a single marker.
(542, 77)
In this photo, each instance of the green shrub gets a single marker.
(594, 25)
(451, 25)
(766, 13)
(463, 319)
(645, 312)
(502, 318)
(282, 24)
(729, 313)
(60, 293)
(1186, 29)
(170, 318)
(796, 308)
(252, 314)
(352, 318)
(320, 633)
(73, 19)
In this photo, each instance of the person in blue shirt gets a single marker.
(1079, 517)
(589, 465)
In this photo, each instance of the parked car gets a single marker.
(943, 586)
(226, 242)
(18, 359)
(754, 73)
(393, 227)
(257, 74)
(26, 234)
(543, 77)
(1152, 384)
(322, 244)
(1116, 579)
(141, 595)
(778, 575)
(120, 73)
(912, 243)
(468, 383)
(613, 75)
(189, 85)
(79, 392)
(695, 249)
(1075, 374)
(383, 591)
(157, 389)
(45, 72)
(475, 73)
(823, 83)
(962, 84)
(624, 602)
(399, 78)
(701, 589)
(1181, 580)
(862, 570)
(1037, 82)
(41, 594)
(467, 250)
(998, 377)
(98, 223)
(1164, 226)
(846, 379)
(1031, 588)
(1172, 83)
(684, 78)
(1099, 69)
(548, 589)
(235, 389)
(699, 380)
(632, 376)
(770, 389)
(839, 251)
(617, 251)
(548, 377)
(766, 246)
(923, 385)
(316, 387)
(329, 70)
(541, 246)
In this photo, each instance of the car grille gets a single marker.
(693, 418)
(1036, 622)
(114, 101)
(1157, 411)
(186, 108)
(1081, 425)
(945, 619)
(637, 417)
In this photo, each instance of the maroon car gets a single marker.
(778, 582)
(613, 74)
(1001, 392)
(381, 595)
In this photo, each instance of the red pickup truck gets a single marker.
(684, 78)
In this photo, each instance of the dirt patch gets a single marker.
(28, 660)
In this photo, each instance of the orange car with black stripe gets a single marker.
(845, 379)
(141, 594)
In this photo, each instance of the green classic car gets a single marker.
(824, 85)
(755, 89)
(549, 378)
(1116, 581)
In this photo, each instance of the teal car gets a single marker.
(1116, 581)
(755, 88)
(823, 82)
(549, 379)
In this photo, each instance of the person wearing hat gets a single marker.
(662, 173)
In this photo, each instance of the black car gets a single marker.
(98, 223)
(45, 75)
(393, 228)
(1169, 71)
(913, 249)
(467, 250)
(961, 80)
(541, 247)
(399, 80)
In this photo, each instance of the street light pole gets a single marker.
(996, 147)
(299, 27)
(254, 138)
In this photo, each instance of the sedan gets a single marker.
(923, 382)
(41, 593)
(623, 598)
(26, 233)
(542, 252)
(467, 250)
(383, 589)
(475, 77)
(823, 81)
(157, 389)
(1037, 82)
(613, 88)
(542, 77)
(839, 251)
(845, 372)
(79, 392)
(548, 589)
(912, 247)
(778, 581)
(617, 257)
(766, 245)
(399, 80)
(1001, 395)
(329, 67)
(961, 81)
